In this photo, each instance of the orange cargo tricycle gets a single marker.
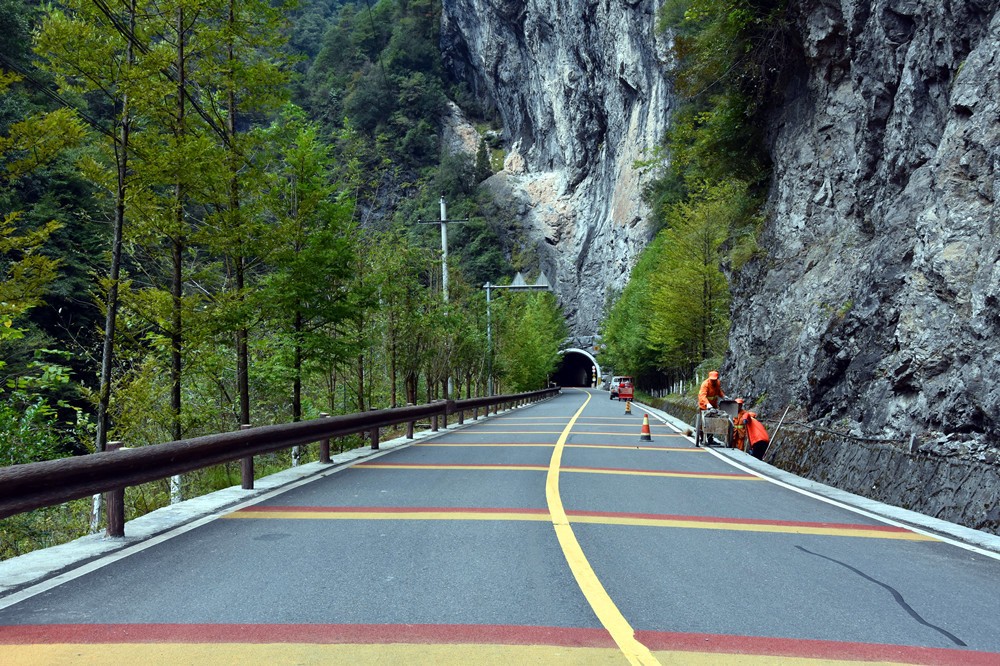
(625, 391)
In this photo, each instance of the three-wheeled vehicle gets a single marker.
(626, 391)
(717, 428)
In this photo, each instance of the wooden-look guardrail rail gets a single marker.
(35, 485)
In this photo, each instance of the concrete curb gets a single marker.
(25, 570)
(936, 526)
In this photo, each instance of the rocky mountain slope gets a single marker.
(582, 96)
(874, 305)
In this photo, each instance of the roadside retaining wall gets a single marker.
(949, 487)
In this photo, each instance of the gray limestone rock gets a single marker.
(582, 96)
(875, 300)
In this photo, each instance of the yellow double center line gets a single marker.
(609, 615)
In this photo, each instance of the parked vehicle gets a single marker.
(625, 390)
(616, 382)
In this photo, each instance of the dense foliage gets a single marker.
(729, 57)
(205, 224)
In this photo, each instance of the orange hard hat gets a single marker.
(714, 374)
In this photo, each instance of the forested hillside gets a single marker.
(211, 217)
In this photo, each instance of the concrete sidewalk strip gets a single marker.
(964, 535)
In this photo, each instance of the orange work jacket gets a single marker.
(709, 394)
(755, 429)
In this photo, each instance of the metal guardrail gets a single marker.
(35, 485)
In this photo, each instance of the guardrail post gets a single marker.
(409, 425)
(246, 466)
(324, 444)
(434, 423)
(373, 434)
(115, 502)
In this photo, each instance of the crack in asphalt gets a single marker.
(896, 595)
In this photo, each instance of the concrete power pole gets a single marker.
(444, 263)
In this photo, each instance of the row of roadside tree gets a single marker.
(216, 241)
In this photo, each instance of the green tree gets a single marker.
(91, 55)
(626, 326)
(483, 168)
(532, 329)
(689, 294)
(313, 256)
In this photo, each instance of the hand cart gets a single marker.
(717, 429)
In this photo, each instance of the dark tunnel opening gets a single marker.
(575, 369)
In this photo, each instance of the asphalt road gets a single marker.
(550, 534)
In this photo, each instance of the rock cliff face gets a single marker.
(875, 304)
(581, 95)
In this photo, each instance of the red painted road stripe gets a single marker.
(452, 634)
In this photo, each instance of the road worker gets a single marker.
(739, 430)
(710, 392)
(708, 397)
(756, 435)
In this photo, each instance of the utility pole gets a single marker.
(444, 261)
(444, 258)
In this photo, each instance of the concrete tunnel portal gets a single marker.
(577, 368)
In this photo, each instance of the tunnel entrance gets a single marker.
(577, 368)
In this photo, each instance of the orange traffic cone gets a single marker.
(645, 436)
(628, 406)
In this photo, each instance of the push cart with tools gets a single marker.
(714, 427)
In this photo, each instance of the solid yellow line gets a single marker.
(293, 654)
(598, 598)
(279, 654)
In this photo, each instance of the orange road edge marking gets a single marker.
(625, 447)
(729, 476)
(581, 517)
(578, 432)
